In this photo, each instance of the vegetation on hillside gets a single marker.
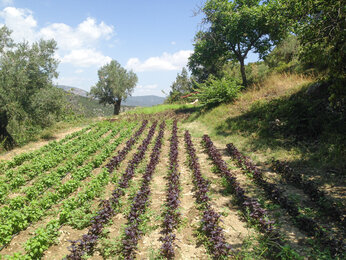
(28, 100)
(294, 39)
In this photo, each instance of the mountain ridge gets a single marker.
(142, 101)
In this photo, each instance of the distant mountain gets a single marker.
(141, 101)
(73, 90)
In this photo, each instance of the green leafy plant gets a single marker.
(216, 91)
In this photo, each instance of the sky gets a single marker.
(154, 38)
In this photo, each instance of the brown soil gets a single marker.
(150, 242)
(235, 229)
(188, 247)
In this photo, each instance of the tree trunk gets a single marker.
(5, 137)
(242, 71)
(117, 107)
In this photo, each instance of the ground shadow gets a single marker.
(301, 122)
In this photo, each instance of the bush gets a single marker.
(216, 91)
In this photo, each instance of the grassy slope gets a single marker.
(276, 119)
(232, 122)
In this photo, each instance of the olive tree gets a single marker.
(28, 99)
(115, 84)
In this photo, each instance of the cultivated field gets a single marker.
(141, 187)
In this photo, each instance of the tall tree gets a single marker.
(182, 85)
(115, 84)
(234, 29)
(28, 99)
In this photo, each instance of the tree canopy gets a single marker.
(233, 30)
(115, 84)
(28, 99)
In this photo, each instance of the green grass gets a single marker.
(158, 108)
(279, 121)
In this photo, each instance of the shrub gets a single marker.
(216, 91)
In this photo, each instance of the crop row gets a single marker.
(44, 237)
(273, 192)
(15, 178)
(140, 201)
(310, 188)
(23, 157)
(171, 215)
(249, 206)
(19, 219)
(114, 162)
(46, 180)
(88, 241)
(54, 177)
(217, 245)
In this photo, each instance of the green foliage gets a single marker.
(216, 91)
(284, 57)
(208, 56)
(320, 27)
(255, 71)
(235, 28)
(28, 100)
(180, 87)
(115, 84)
(43, 238)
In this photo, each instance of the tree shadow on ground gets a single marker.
(300, 121)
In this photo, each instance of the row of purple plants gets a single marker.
(217, 245)
(114, 162)
(248, 205)
(140, 201)
(310, 188)
(88, 241)
(273, 192)
(171, 215)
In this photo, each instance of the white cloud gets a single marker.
(86, 58)
(21, 22)
(166, 61)
(76, 45)
(91, 30)
(173, 43)
(86, 34)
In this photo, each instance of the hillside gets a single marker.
(144, 101)
(138, 101)
(73, 90)
(271, 193)
(88, 107)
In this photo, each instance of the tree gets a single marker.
(182, 85)
(235, 29)
(115, 84)
(320, 27)
(28, 99)
(208, 57)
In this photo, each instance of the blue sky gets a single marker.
(154, 38)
